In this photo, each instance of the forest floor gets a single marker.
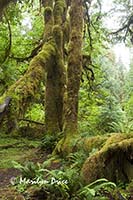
(19, 150)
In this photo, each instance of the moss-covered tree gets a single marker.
(59, 64)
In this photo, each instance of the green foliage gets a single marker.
(63, 185)
(110, 113)
(90, 191)
(18, 150)
(49, 141)
(30, 170)
(76, 160)
(25, 34)
(124, 126)
(36, 113)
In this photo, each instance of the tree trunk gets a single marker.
(73, 75)
(74, 66)
(55, 80)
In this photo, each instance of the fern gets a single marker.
(89, 191)
(122, 127)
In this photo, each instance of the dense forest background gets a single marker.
(61, 84)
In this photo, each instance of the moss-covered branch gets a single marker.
(24, 90)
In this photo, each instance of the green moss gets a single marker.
(20, 151)
(48, 3)
(58, 36)
(112, 161)
(66, 31)
(24, 90)
(49, 22)
(115, 138)
(95, 142)
(48, 13)
(66, 145)
(59, 9)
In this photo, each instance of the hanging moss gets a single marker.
(113, 161)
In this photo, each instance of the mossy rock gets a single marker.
(113, 161)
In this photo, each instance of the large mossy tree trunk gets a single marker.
(47, 65)
(74, 70)
(74, 66)
(55, 76)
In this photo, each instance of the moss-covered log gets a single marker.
(90, 144)
(113, 161)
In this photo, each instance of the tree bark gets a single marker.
(55, 79)
(73, 75)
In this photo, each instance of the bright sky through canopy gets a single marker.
(121, 51)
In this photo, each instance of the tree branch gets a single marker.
(31, 121)
(119, 30)
(33, 53)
